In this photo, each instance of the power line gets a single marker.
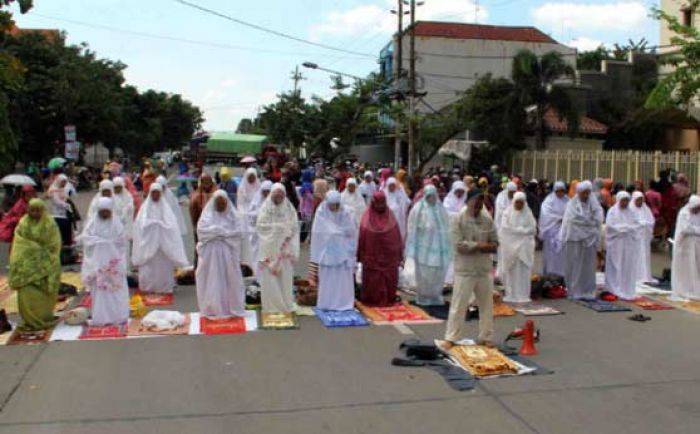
(173, 38)
(270, 31)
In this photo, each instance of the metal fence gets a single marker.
(621, 166)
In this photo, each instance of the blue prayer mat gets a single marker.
(341, 318)
(604, 306)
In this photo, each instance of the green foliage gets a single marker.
(681, 87)
(591, 60)
(68, 84)
(534, 78)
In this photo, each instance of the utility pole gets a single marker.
(412, 94)
(297, 77)
(397, 79)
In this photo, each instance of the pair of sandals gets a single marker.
(640, 318)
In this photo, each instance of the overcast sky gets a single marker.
(240, 68)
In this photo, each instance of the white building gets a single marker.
(450, 57)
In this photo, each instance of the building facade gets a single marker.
(450, 57)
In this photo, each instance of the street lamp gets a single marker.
(311, 65)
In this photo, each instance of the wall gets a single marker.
(444, 77)
(560, 143)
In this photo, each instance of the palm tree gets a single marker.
(534, 79)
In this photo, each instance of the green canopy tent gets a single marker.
(230, 144)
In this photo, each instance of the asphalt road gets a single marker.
(611, 375)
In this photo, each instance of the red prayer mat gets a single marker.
(103, 332)
(156, 299)
(29, 338)
(223, 326)
(649, 304)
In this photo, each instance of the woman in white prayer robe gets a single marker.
(551, 217)
(646, 229)
(248, 189)
(368, 187)
(622, 241)
(278, 230)
(158, 245)
(334, 248)
(685, 266)
(398, 203)
(124, 203)
(503, 201)
(352, 201)
(517, 239)
(171, 199)
(252, 216)
(220, 288)
(428, 245)
(105, 189)
(580, 233)
(104, 265)
(455, 200)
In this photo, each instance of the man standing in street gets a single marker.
(475, 241)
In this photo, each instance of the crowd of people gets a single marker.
(446, 229)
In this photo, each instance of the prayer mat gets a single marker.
(278, 321)
(502, 309)
(29, 338)
(156, 299)
(482, 361)
(456, 377)
(399, 313)
(103, 332)
(73, 278)
(86, 301)
(341, 318)
(137, 329)
(222, 326)
(10, 303)
(305, 311)
(648, 304)
(536, 310)
(649, 289)
(65, 332)
(604, 306)
(5, 337)
(688, 306)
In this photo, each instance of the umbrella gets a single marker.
(248, 159)
(57, 162)
(17, 180)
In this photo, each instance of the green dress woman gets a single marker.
(35, 267)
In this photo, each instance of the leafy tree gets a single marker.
(245, 126)
(591, 60)
(534, 86)
(11, 76)
(681, 87)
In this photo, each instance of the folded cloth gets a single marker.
(341, 318)
(162, 320)
(604, 306)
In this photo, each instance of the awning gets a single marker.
(223, 142)
(461, 149)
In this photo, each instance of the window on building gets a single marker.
(687, 17)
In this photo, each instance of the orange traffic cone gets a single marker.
(528, 347)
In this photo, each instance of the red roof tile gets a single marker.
(586, 124)
(480, 31)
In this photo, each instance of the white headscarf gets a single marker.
(104, 249)
(278, 228)
(170, 197)
(398, 198)
(454, 204)
(105, 185)
(259, 198)
(247, 190)
(353, 202)
(582, 220)
(367, 189)
(688, 223)
(644, 215)
(213, 225)
(552, 212)
(502, 202)
(517, 233)
(333, 234)
(156, 230)
(428, 234)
